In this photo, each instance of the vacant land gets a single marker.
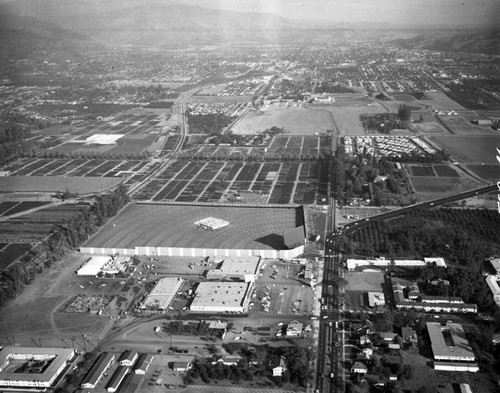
(439, 100)
(295, 121)
(430, 128)
(461, 125)
(472, 149)
(487, 172)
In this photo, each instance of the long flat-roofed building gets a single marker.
(97, 371)
(451, 348)
(244, 269)
(117, 378)
(352, 264)
(94, 265)
(162, 294)
(17, 369)
(222, 297)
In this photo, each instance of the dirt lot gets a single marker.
(296, 121)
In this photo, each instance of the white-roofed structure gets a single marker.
(94, 265)
(26, 367)
(222, 297)
(103, 139)
(162, 294)
(450, 347)
(244, 269)
(352, 264)
(492, 282)
(376, 299)
(212, 223)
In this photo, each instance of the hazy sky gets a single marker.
(449, 12)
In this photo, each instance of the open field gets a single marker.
(205, 97)
(487, 172)
(461, 125)
(430, 128)
(295, 121)
(173, 226)
(346, 112)
(364, 281)
(471, 149)
(440, 101)
(76, 185)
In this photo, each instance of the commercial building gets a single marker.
(242, 269)
(411, 297)
(117, 378)
(97, 371)
(376, 299)
(162, 294)
(32, 368)
(492, 282)
(450, 347)
(353, 264)
(103, 264)
(222, 297)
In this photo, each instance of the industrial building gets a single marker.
(353, 264)
(167, 229)
(144, 363)
(242, 269)
(450, 347)
(222, 297)
(162, 294)
(97, 371)
(18, 372)
(128, 358)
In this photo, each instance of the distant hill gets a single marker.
(478, 42)
(154, 22)
(27, 37)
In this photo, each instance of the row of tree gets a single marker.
(63, 238)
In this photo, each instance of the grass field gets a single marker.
(56, 183)
(439, 100)
(424, 170)
(461, 125)
(487, 172)
(173, 226)
(296, 121)
(445, 171)
(430, 128)
(471, 149)
(436, 184)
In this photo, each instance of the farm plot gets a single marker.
(470, 149)
(459, 125)
(436, 184)
(445, 171)
(429, 128)
(295, 121)
(75, 185)
(422, 170)
(18, 207)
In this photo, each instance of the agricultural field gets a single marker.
(216, 181)
(470, 149)
(295, 121)
(17, 234)
(436, 184)
(440, 101)
(53, 184)
(422, 170)
(139, 131)
(249, 228)
(487, 172)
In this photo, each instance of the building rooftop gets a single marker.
(449, 341)
(8, 355)
(220, 294)
(93, 266)
(212, 223)
(162, 293)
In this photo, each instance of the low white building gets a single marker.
(162, 294)
(353, 264)
(492, 282)
(222, 297)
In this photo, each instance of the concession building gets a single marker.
(450, 347)
(33, 368)
(222, 297)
